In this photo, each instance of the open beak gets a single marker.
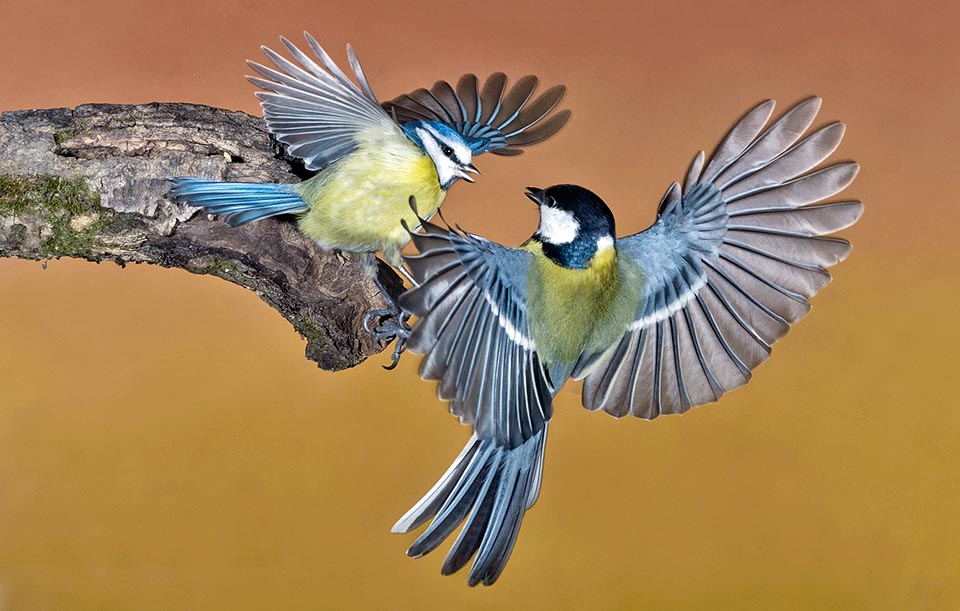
(465, 170)
(535, 194)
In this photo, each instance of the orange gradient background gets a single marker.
(165, 445)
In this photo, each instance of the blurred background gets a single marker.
(164, 444)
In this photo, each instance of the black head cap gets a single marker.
(572, 220)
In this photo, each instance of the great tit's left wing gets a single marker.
(315, 109)
(473, 329)
(491, 118)
(729, 265)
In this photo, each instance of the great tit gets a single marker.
(653, 323)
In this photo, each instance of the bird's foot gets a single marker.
(387, 325)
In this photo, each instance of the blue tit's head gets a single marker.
(575, 224)
(450, 152)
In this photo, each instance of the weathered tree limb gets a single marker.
(92, 183)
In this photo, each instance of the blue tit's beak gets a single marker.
(536, 195)
(465, 170)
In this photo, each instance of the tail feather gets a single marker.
(488, 489)
(238, 202)
(504, 524)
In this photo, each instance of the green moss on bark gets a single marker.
(66, 205)
(65, 134)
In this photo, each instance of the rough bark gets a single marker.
(92, 183)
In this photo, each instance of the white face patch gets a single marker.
(557, 226)
(448, 166)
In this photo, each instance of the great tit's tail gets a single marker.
(488, 488)
(238, 202)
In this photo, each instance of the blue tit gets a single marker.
(653, 323)
(370, 158)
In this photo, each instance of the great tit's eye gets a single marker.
(447, 150)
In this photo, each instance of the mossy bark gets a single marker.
(92, 183)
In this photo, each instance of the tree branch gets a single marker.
(92, 183)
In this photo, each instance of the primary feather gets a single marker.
(729, 266)
(315, 109)
(490, 120)
(474, 329)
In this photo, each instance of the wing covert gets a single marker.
(729, 265)
(492, 118)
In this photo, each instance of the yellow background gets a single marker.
(165, 445)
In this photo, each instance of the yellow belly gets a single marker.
(357, 202)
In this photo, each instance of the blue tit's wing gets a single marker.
(473, 329)
(315, 109)
(730, 263)
(491, 119)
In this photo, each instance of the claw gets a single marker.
(372, 315)
(398, 349)
(391, 322)
(392, 325)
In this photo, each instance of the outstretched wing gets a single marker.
(315, 109)
(492, 118)
(473, 329)
(729, 265)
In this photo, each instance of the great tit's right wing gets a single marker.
(491, 118)
(315, 109)
(729, 265)
(473, 331)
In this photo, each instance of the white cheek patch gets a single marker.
(446, 168)
(557, 226)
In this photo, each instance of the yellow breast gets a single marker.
(572, 311)
(358, 201)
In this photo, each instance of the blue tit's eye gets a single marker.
(447, 150)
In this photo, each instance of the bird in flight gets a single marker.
(369, 157)
(653, 323)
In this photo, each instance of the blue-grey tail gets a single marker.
(488, 488)
(238, 202)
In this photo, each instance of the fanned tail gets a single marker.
(238, 202)
(487, 488)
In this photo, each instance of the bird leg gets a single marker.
(391, 323)
(386, 324)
